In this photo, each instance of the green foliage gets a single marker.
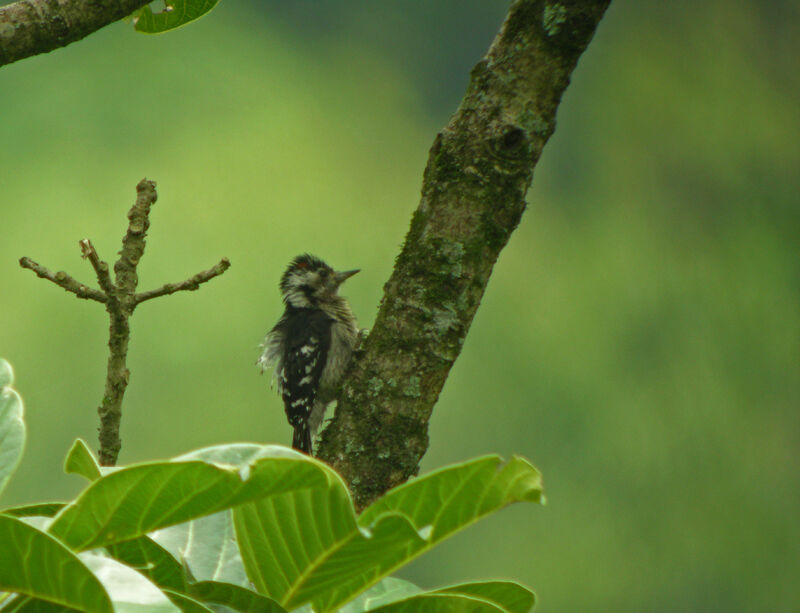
(12, 428)
(208, 547)
(162, 494)
(246, 528)
(42, 509)
(80, 461)
(234, 597)
(507, 594)
(350, 553)
(394, 596)
(152, 560)
(36, 564)
(176, 13)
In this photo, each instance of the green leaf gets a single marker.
(186, 604)
(12, 426)
(153, 561)
(235, 597)
(299, 549)
(176, 13)
(509, 595)
(130, 591)
(282, 537)
(307, 546)
(138, 499)
(26, 604)
(390, 589)
(42, 509)
(38, 522)
(80, 461)
(454, 497)
(207, 547)
(441, 603)
(6, 373)
(36, 564)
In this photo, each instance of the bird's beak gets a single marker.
(342, 276)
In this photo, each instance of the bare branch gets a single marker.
(473, 195)
(100, 267)
(64, 281)
(133, 242)
(120, 299)
(30, 27)
(120, 307)
(117, 378)
(190, 284)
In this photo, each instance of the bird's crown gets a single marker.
(308, 281)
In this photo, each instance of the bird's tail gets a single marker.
(302, 438)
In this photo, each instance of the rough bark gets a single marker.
(30, 27)
(120, 305)
(473, 195)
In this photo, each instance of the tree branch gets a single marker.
(64, 280)
(473, 195)
(31, 27)
(100, 267)
(133, 242)
(189, 284)
(120, 299)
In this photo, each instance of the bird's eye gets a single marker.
(324, 273)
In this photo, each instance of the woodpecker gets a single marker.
(311, 345)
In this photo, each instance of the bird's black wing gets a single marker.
(309, 331)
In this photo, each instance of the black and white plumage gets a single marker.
(311, 345)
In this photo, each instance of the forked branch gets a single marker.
(120, 298)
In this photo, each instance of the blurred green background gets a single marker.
(639, 340)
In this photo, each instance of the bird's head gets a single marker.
(309, 282)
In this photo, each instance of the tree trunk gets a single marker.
(473, 195)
